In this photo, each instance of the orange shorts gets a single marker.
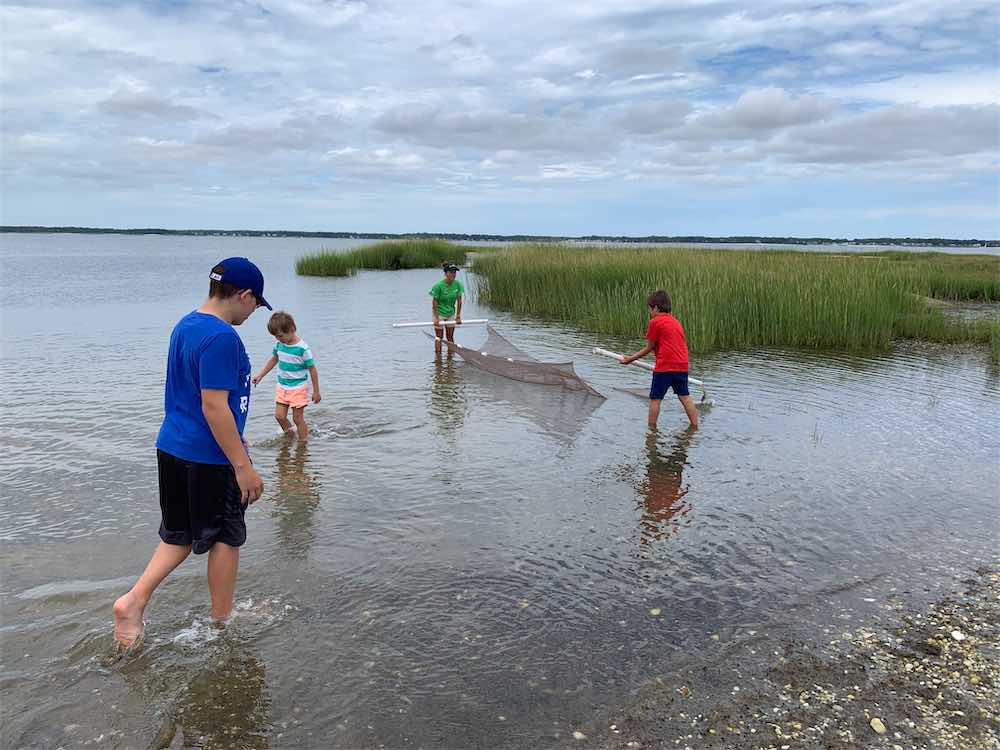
(294, 397)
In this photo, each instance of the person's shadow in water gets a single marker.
(296, 499)
(661, 488)
(224, 704)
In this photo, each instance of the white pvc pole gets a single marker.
(637, 363)
(474, 321)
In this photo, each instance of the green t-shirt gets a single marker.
(446, 294)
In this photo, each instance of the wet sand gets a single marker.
(931, 681)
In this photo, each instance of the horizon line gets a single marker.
(74, 229)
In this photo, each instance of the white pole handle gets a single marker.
(637, 363)
(474, 321)
(612, 355)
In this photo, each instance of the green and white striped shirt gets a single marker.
(294, 361)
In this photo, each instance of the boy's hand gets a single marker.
(257, 379)
(251, 485)
(625, 360)
(437, 322)
(458, 320)
(316, 397)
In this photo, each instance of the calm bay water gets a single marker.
(454, 560)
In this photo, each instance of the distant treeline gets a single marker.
(686, 239)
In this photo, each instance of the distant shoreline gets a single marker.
(657, 239)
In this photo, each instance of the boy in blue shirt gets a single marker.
(206, 477)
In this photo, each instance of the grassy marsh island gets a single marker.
(733, 299)
(393, 255)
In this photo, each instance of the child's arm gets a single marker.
(215, 407)
(314, 374)
(434, 312)
(629, 359)
(268, 366)
(458, 309)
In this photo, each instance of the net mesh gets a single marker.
(499, 356)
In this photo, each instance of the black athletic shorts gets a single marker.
(199, 504)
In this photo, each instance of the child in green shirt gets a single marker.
(446, 304)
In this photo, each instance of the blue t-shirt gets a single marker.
(205, 352)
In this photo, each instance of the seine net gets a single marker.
(499, 356)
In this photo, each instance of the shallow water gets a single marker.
(454, 560)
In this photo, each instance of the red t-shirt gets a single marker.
(666, 335)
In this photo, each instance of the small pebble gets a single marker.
(577, 735)
(655, 611)
(958, 635)
(878, 726)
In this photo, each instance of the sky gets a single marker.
(621, 117)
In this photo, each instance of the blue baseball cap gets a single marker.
(242, 273)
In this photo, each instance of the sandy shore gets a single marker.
(933, 681)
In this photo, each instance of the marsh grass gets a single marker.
(392, 255)
(325, 263)
(949, 277)
(738, 299)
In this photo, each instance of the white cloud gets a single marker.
(379, 158)
(758, 113)
(272, 100)
(550, 172)
(131, 103)
(39, 141)
(491, 130)
(863, 48)
(892, 134)
(463, 56)
(655, 116)
(938, 89)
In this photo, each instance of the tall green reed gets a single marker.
(726, 299)
(392, 255)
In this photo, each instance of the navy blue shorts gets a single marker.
(200, 504)
(664, 381)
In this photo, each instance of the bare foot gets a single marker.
(129, 626)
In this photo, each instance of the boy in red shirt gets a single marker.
(666, 337)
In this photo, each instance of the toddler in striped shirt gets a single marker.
(296, 367)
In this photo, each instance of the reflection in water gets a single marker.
(448, 404)
(661, 488)
(225, 704)
(557, 412)
(296, 499)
